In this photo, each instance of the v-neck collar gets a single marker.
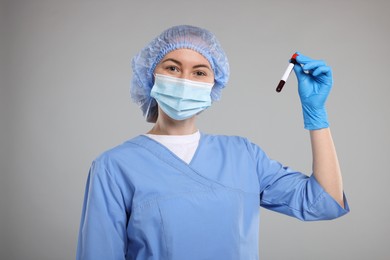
(201, 137)
(164, 154)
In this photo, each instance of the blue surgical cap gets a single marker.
(177, 37)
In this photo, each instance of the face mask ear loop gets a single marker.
(148, 109)
(150, 101)
(154, 78)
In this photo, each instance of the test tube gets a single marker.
(287, 72)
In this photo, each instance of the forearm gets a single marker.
(326, 167)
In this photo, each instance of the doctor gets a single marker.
(178, 193)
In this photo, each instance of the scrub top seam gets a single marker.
(113, 180)
(280, 204)
(310, 208)
(319, 197)
(163, 230)
(147, 203)
(150, 202)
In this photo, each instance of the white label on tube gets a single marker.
(287, 72)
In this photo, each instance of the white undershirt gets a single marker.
(184, 146)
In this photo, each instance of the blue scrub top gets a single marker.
(143, 202)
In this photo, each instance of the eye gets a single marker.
(200, 73)
(172, 68)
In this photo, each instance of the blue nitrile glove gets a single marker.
(314, 84)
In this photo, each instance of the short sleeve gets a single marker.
(102, 232)
(293, 193)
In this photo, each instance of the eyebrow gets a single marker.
(179, 63)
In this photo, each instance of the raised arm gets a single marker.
(314, 84)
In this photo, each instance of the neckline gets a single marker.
(176, 139)
(162, 150)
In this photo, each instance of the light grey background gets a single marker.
(65, 73)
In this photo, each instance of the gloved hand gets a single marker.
(314, 84)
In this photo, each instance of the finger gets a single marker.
(302, 59)
(314, 64)
(322, 70)
(299, 72)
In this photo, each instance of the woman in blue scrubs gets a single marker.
(178, 193)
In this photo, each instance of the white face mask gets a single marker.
(181, 98)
